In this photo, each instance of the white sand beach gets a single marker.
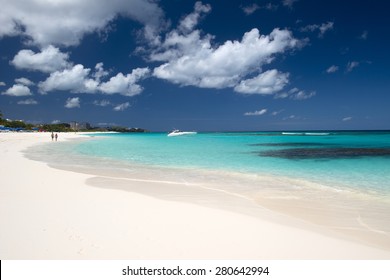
(47, 213)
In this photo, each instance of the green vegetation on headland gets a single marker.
(19, 125)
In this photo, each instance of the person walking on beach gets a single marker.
(56, 136)
(52, 136)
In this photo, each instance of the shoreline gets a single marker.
(48, 213)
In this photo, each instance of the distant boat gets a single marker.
(177, 132)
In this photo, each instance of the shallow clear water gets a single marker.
(342, 160)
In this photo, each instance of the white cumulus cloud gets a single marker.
(191, 20)
(296, 94)
(302, 95)
(72, 103)
(352, 65)
(191, 59)
(321, 28)
(101, 103)
(18, 90)
(256, 113)
(346, 119)
(74, 80)
(24, 81)
(332, 69)
(195, 62)
(250, 9)
(65, 22)
(125, 85)
(275, 113)
(268, 82)
(100, 72)
(122, 107)
(50, 59)
(80, 80)
(289, 3)
(29, 101)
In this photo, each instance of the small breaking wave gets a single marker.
(306, 133)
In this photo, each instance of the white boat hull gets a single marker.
(181, 133)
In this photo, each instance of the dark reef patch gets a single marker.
(291, 144)
(326, 153)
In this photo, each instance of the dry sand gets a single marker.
(47, 213)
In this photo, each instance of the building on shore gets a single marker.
(79, 126)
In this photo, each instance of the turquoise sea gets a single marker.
(336, 179)
(357, 160)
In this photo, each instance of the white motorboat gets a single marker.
(180, 133)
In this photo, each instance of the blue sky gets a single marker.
(208, 66)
